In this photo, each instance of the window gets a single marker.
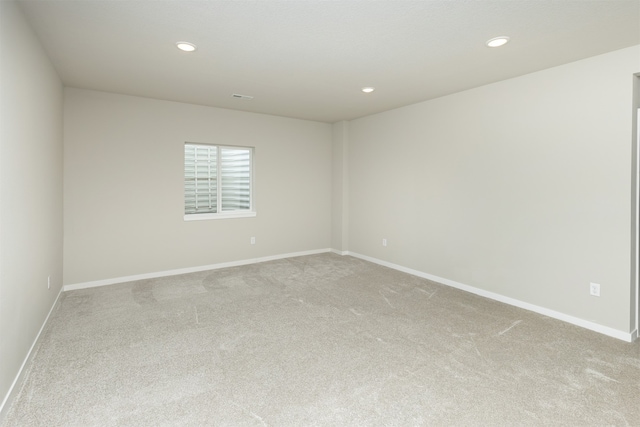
(217, 182)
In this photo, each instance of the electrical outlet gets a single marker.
(384, 242)
(48, 282)
(594, 289)
(253, 240)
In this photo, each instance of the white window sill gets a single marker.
(224, 215)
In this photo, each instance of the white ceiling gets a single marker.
(309, 59)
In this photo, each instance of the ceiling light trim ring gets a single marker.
(186, 46)
(497, 41)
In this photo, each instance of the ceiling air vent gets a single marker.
(238, 96)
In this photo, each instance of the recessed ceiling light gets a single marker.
(368, 89)
(186, 46)
(498, 41)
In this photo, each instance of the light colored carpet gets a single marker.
(319, 340)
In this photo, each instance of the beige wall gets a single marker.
(522, 188)
(30, 190)
(339, 194)
(123, 183)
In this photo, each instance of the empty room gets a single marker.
(319, 213)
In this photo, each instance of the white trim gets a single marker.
(13, 389)
(222, 215)
(636, 281)
(615, 333)
(166, 273)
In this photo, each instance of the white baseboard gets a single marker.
(335, 251)
(625, 336)
(615, 333)
(166, 273)
(13, 390)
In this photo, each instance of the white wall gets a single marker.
(521, 188)
(123, 186)
(30, 190)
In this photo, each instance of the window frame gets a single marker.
(244, 213)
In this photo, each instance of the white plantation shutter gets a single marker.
(216, 179)
(236, 178)
(200, 179)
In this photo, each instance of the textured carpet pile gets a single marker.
(318, 340)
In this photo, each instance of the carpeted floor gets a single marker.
(320, 340)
